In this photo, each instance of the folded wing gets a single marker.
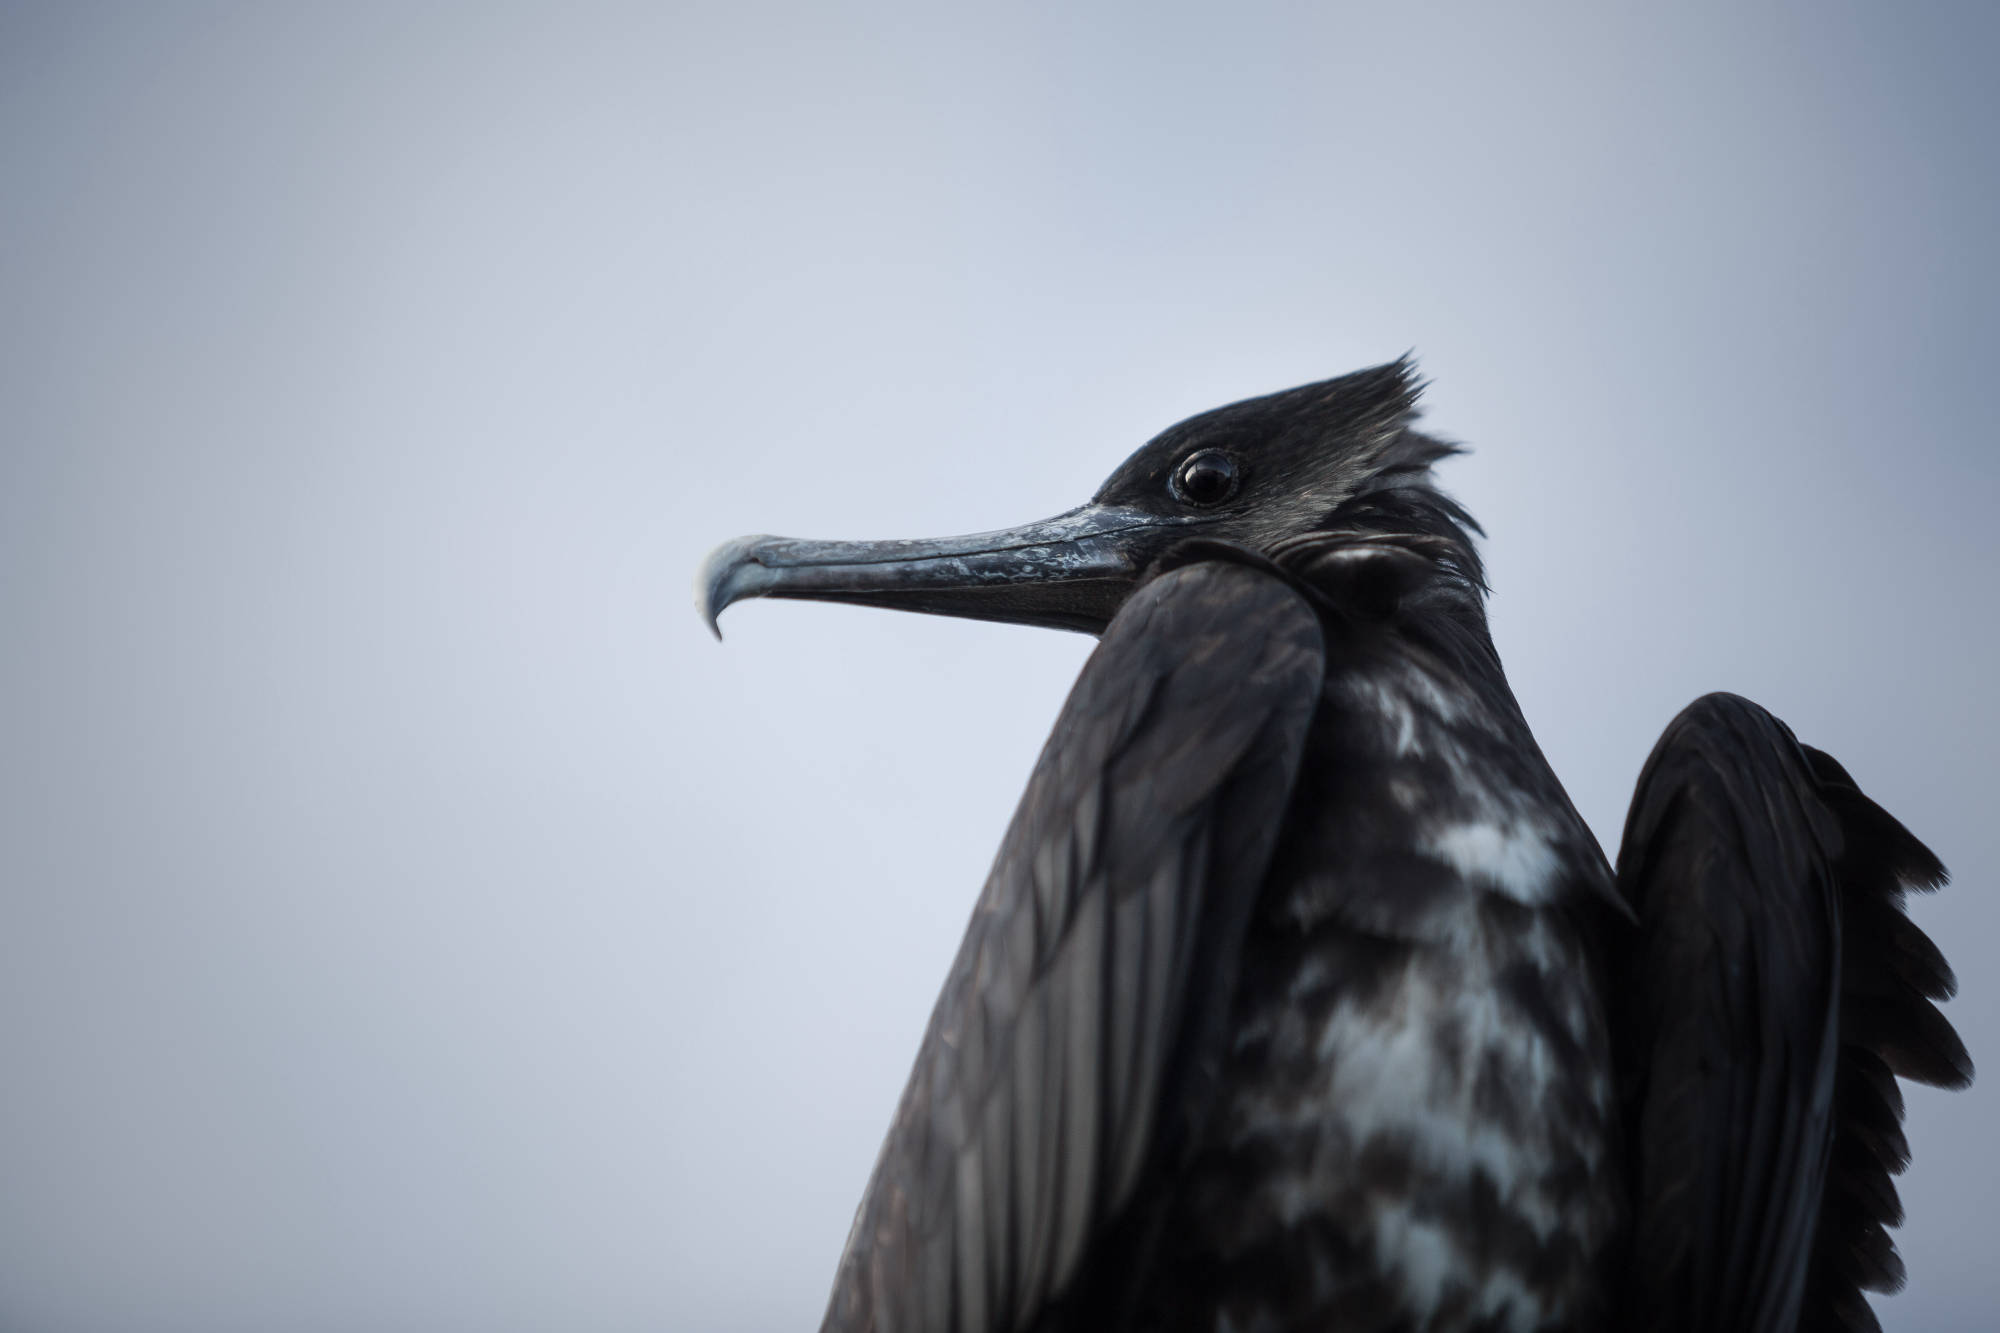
(1068, 1044)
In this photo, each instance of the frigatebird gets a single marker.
(1300, 996)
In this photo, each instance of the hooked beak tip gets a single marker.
(731, 573)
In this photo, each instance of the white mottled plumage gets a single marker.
(1514, 856)
(1423, 1073)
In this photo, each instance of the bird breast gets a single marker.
(1414, 1125)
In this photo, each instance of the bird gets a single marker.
(1299, 995)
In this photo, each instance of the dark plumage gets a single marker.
(1299, 994)
(1774, 990)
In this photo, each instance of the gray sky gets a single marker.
(411, 920)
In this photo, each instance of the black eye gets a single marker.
(1205, 478)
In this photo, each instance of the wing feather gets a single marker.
(1774, 991)
(1098, 959)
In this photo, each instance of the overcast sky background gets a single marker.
(411, 920)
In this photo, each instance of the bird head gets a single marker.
(1253, 475)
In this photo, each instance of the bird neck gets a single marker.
(1400, 558)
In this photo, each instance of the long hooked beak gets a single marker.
(1068, 572)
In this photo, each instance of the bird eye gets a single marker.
(1205, 478)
